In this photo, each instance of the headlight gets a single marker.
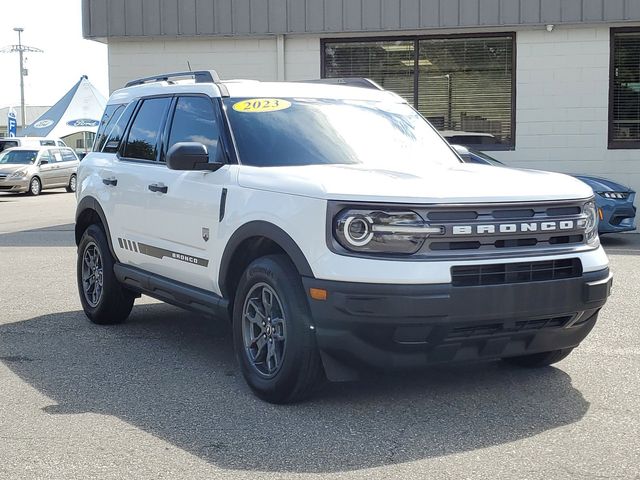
(379, 231)
(614, 195)
(18, 174)
(591, 223)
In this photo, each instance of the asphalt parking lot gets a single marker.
(160, 396)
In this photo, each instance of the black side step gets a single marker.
(171, 291)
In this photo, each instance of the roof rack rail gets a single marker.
(348, 82)
(200, 76)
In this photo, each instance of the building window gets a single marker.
(624, 91)
(459, 83)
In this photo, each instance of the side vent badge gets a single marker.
(205, 234)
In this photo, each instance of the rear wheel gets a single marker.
(73, 184)
(537, 360)
(35, 186)
(275, 345)
(104, 300)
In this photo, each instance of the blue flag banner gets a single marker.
(12, 123)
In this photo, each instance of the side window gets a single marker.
(115, 130)
(68, 155)
(111, 114)
(47, 143)
(57, 156)
(46, 156)
(142, 141)
(61, 144)
(194, 120)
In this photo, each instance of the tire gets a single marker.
(35, 187)
(71, 188)
(538, 360)
(113, 303)
(291, 372)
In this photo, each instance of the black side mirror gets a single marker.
(192, 156)
(44, 162)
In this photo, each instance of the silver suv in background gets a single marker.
(33, 169)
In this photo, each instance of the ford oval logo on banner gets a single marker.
(43, 124)
(83, 122)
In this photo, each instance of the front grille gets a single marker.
(505, 273)
(518, 227)
(497, 328)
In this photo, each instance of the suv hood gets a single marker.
(463, 183)
(13, 167)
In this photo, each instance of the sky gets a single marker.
(56, 28)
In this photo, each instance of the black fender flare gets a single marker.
(259, 228)
(90, 203)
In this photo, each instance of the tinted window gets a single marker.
(320, 131)
(624, 108)
(61, 144)
(143, 135)
(55, 153)
(68, 155)
(116, 129)
(18, 156)
(47, 143)
(111, 114)
(194, 120)
(7, 144)
(46, 156)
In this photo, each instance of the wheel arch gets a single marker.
(88, 212)
(261, 238)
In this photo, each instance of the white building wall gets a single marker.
(254, 58)
(562, 105)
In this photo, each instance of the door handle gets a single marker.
(110, 181)
(155, 187)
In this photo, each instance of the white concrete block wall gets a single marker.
(253, 58)
(562, 105)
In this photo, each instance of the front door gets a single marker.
(47, 171)
(183, 208)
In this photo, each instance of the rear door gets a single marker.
(135, 170)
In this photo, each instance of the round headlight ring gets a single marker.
(357, 230)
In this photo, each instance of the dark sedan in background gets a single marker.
(614, 201)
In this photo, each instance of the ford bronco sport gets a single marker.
(334, 227)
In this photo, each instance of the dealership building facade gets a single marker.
(547, 84)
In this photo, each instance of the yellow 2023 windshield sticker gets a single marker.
(261, 105)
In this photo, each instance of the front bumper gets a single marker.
(15, 185)
(617, 215)
(404, 326)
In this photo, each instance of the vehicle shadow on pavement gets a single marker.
(54, 236)
(172, 374)
(627, 243)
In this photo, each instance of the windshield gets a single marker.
(288, 132)
(483, 158)
(18, 157)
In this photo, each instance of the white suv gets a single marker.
(334, 227)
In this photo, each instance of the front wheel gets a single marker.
(104, 299)
(73, 184)
(273, 338)
(537, 360)
(35, 187)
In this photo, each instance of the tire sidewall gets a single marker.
(39, 186)
(285, 280)
(95, 235)
(73, 184)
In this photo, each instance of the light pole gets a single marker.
(21, 49)
(21, 53)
